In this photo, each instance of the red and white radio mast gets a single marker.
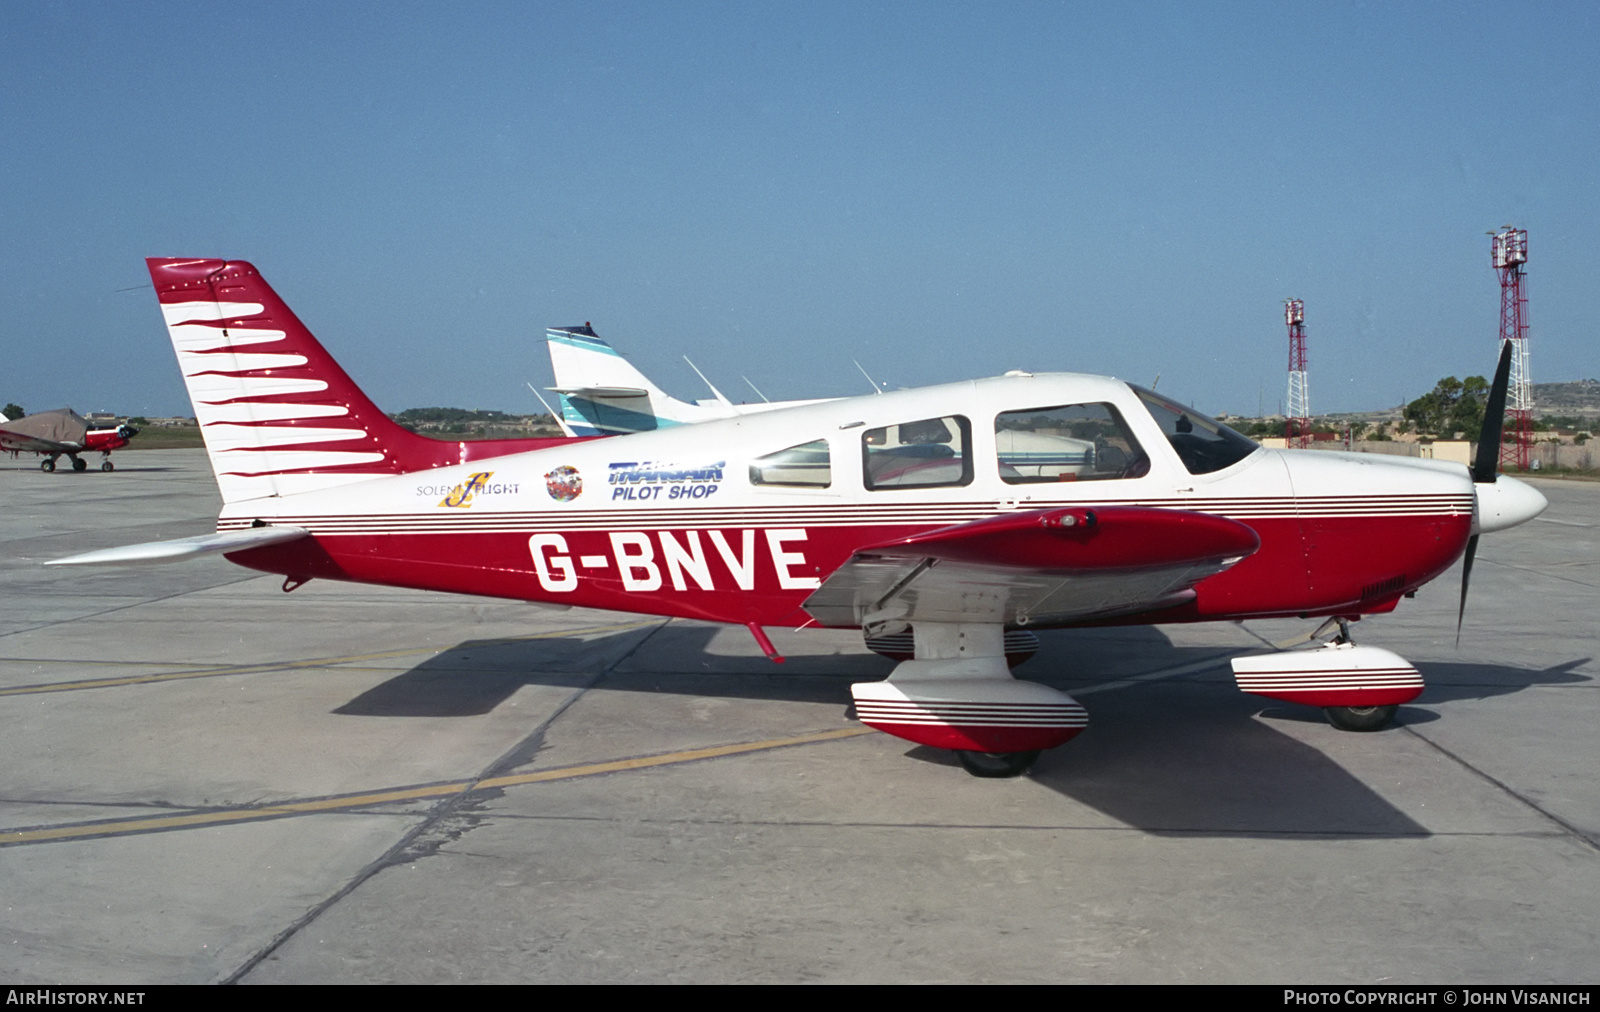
(1297, 409)
(1510, 252)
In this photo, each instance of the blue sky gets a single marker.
(941, 191)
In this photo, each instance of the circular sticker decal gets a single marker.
(564, 484)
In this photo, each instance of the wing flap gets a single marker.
(1042, 567)
(156, 552)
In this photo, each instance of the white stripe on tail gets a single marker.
(278, 414)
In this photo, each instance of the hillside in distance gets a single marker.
(1580, 397)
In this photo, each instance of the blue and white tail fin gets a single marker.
(603, 394)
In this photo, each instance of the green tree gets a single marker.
(14, 411)
(1451, 406)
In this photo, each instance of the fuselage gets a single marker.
(106, 440)
(740, 520)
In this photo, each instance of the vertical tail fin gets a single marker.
(602, 393)
(278, 414)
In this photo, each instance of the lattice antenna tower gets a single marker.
(1297, 408)
(1510, 254)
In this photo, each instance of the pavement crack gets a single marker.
(139, 603)
(1570, 829)
(461, 806)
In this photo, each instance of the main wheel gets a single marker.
(1360, 718)
(78, 463)
(107, 466)
(47, 465)
(997, 764)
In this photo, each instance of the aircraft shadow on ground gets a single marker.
(475, 677)
(1186, 756)
(1451, 682)
(1193, 758)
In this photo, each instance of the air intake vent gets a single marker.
(1383, 588)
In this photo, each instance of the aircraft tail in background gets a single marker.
(603, 394)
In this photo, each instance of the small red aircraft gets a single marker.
(63, 431)
(945, 522)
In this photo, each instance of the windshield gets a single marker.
(1203, 444)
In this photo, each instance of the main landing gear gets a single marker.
(1360, 718)
(48, 464)
(997, 765)
(1358, 688)
(1020, 644)
(957, 693)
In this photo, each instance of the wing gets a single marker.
(58, 431)
(17, 442)
(1044, 567)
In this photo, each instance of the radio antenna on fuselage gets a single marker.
(875, 388)
(714, 390)
(752, 386)
(553, 414)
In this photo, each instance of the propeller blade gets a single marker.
(1466, 575)
(1494, 420)
(1488, 462)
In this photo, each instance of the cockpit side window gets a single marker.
(927, 453)
(805, 466)
(1203, 444)
(1070, 442)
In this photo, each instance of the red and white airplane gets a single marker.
(62, 431)
(946, 516)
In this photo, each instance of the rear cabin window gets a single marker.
(1203, 444)
(1070, 442)
(803, 466)
(927, 453)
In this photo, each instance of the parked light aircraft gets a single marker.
(602, 393)
(951, 513)
(62, 431)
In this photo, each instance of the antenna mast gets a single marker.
(1297, 410)
(1510, 253)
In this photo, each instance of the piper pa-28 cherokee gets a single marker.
(62, 431)
(943, 518)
